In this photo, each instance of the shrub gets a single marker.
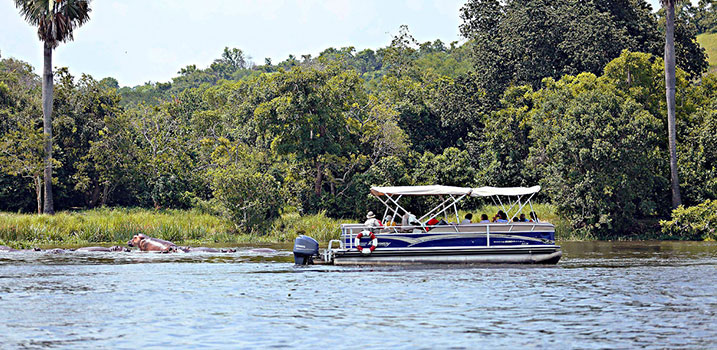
(693, 223)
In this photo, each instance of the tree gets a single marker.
(307, 116)
(669, 6)
(698, 156)
(83, 110)
(401, 55)
(499, 149)
(21, 154)
(21, 139)
(519, 42)
(241, 182)
(706, 16)
(597, 154)
(56, 22)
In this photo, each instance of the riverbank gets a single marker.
(112, 227)
(115, 226)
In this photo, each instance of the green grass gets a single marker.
(112, 226)
(318, 226)
(709, 42)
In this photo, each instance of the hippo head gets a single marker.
(134, 242)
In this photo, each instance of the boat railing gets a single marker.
(350, 231)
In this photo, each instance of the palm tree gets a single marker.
(669, 6)
(55, 20)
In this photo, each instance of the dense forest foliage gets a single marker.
(566, 94)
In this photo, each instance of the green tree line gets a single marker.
(566, 94)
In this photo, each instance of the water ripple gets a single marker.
(610, 295)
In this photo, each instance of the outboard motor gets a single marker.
(305, 248)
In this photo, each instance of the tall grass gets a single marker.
(318, 226)
(112, 226)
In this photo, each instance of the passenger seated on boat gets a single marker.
(522, 218)
(371, 220)
(388, 222)
(501, 217)
(484, 219)
(432, 222)
(533, 217)
(409, 219)
(467, 219)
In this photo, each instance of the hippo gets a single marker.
(4, 248)
(149, 244)
(103, 249)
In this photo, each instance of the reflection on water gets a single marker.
(601, 295)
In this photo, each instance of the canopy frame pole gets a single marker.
(528, 201)
(501, 205)
(438, 207)
(520, 207)
(395, 211)
(455, 200)
(533, 210)
(395, 202)
(442, 205)
(512, 204)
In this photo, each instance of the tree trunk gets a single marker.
(105, 193)
(319, 179)
(670, 94)
(47, 126)
(38, 191)
(95, 195)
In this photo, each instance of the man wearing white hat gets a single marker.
(371, 220)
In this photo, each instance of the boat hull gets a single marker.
(478, 255)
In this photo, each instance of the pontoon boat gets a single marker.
(413, 240)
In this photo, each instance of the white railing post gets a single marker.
(487, 235)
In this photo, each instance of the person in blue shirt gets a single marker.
(501, 217)
(484, 219)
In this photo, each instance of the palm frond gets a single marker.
(55, 20)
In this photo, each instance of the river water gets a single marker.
(601, 295)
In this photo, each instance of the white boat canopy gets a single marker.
(517, 203)
(450, 196)
(488, 191)
(432, 190)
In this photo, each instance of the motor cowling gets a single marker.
(305, 248)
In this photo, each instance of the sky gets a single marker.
(136, 41)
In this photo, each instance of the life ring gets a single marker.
(374, 242)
